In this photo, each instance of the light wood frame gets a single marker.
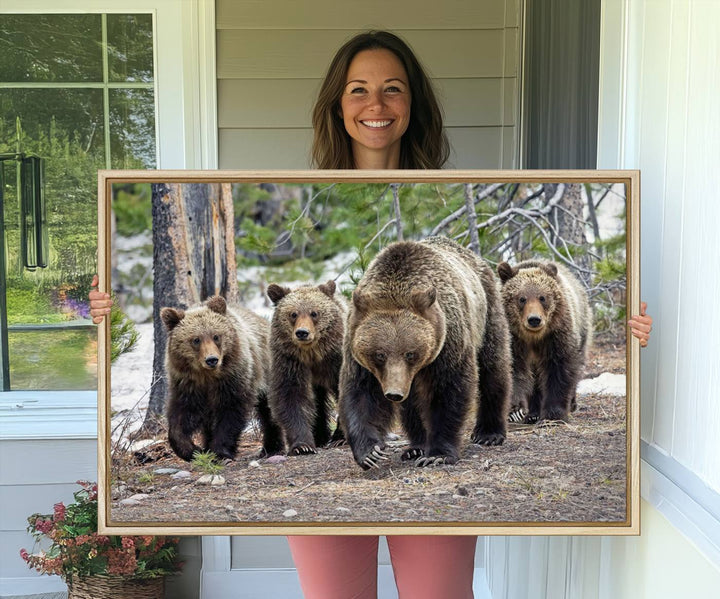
(630, 526)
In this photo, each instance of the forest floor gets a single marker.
(572, 472)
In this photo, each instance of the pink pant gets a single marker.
(345, 567)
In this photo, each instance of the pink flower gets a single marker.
(128, 543)
(24, 555)
(59, 509)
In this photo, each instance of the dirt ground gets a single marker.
(574, 472)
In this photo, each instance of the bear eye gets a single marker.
(293, 315)
(216, 338)
(313, 314)
(522, 300)
(410, 356)
(380, 357)
(196, 341)
(542, 299)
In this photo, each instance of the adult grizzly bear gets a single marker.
(427, 336)
(551, 325)
(216, 363)
(306, 337)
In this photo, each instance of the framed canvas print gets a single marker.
(369, 352)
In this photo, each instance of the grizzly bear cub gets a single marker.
(216, 363)
(306, 338)
(427, 337)
(551, 324)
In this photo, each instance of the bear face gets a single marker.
(307, 314)
(533, 300)
(394, 345)
(198, 340)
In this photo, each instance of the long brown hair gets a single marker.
(424, 144)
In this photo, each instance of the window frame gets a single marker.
(186, 138)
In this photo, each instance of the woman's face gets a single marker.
(375, 107)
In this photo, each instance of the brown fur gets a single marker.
(216, 363)
(427, 337)
(551, 325)
(307, 332)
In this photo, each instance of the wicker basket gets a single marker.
(116, 587)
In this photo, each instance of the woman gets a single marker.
(376, 109)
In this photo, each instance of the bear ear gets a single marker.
(328, 288)
(551, 269)
(276, 293)
(171, 317)
(360, 302)
(217, 304)
(422, 299)
(505, 271)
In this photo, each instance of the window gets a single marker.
(77, 90)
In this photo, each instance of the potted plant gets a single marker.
(96, 566)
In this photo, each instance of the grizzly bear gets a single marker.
(551, 326)
(306, 337)
(216, 363)
(427, 337)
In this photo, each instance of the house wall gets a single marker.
(659, 84)
(272, 56)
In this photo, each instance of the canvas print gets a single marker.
(303, 353)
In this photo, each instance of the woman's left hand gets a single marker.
(641, 325)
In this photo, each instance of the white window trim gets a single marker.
(185, 77)
(186, 130)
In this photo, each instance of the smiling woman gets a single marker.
(363, 109)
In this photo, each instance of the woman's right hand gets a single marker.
(100, 302)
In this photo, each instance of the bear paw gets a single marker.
(516, 415)
(412, 453)
(488, 438)
(435, 460)
(556, 413)
(531, 418)
(302, 449)
(336, 443)
(375, 458)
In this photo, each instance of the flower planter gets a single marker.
(116, 587)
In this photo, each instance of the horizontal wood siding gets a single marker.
(271, 59)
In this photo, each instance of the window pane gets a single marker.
(37, 48)
(130, 47)
(55, 359)
(132, 128)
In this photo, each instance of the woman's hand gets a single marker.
(100, 303)
(641, 325)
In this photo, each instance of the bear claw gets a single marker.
(488, 438)
(517, 415)
(437, 460)
(412, 454)
(303, 449)
(376, 457)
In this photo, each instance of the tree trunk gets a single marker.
(569, 221)
(193, 259)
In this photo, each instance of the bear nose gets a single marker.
(395, 397)
(534, 321)
(211, 361)
(302, 334)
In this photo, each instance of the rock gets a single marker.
(166, 471)
(254, 464)
(462, 491)
(290, 513)
(211, 479)
(276, 459)
(135, 499)
(343, 510)
(181, 474)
